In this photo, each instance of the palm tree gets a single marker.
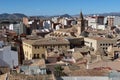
(58, 71)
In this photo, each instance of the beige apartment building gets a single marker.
(113, 50)
(99, 42)
(36, 49)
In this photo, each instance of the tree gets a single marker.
(58, 71)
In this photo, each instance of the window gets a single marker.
(53, 46)
(45, 46)
(38, 47)
(65, 57)
(58, 46)
(43, 56)
(106, 44)
(66, 46)
(69, 52)
(70, 57)
(100, 44)
(34, 56)
(35, 47)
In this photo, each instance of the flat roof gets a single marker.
(38, 62)
(100, 38)
(88, 72)
(47, 41)
(35, 62)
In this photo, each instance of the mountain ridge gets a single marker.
(15, 16)
(101, 14)
(12, 16)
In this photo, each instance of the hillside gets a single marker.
(12, 16)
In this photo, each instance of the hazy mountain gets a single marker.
(19, 15)
(4, 15)
(40, 17)
(101, 14)
(111, 14)
(66, 15)
(12, 16)
(49, 17)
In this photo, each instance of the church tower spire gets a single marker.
(81, 16)
(81, 23)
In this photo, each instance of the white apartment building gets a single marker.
(57, 27)
(92, 22)
(47, 24)
(101, 27)
(18, 28)
(67, 21)
(95, 22)
(116, 20)
(113, 20)
(64, 21)
(73, 22)
(55, 19)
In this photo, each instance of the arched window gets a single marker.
(34, 56)
(38, 56)
(43, 56)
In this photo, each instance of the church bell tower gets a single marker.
(81, 24)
